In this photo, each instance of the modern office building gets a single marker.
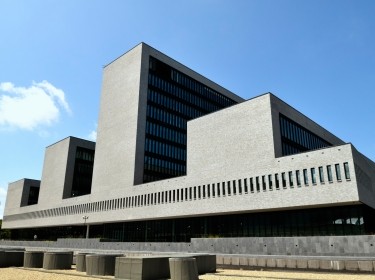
(177, 156)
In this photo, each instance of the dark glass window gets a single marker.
(297, 139)
(335, 221)
(313, 176)
(298, 177)
(33, 195)
(346, 169)
(270, 181)
(329, 173)
(264, 183)
(172, 99)
(305, 177)
(291, 179)
(321, 174)
(277, 181)
(83, 168)
(338, 172)
(283, 179)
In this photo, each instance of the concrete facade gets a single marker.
(344, 246)
(18, 193)
(227, 150)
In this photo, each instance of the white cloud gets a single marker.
(31, 107)
(3, 194)
(92, 135)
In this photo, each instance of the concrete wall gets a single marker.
(260, 246)
(232, 146)
(117, 125)
(56, 181)
(18, 195)
(231, 143)
(278, 106)
(225, 146)
(27, 184)
(54, 177)
(365, 176)
(119, 155)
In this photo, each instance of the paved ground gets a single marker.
(222, 274)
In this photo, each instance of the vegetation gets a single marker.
(4, 233)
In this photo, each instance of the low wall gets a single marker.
(362, 245)
(349, 264)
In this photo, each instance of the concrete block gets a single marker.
(219, 259)
(338, 265)
(325, 264)
(236, 261)
(281, 263)
(301, 263)
(244, 261)
(101, 264)
(183, 269)
(261, 262)
(351, 265)
(227, 260)
(205, 263)
(270, 262)
(313, 264)
(252, 262)
(11, 258)
(365, 266)
(154, 267)
(291, 263)
(57, 260)
(33, 259)
(81, 262)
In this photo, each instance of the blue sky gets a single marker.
(318, 56)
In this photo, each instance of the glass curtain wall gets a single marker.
(297, 139)
(83, 168)
(173, 98)
(344, 220)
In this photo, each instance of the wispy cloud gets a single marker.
(30, 107)
(3, 194)
(92, 134)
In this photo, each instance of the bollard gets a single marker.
(183, 269)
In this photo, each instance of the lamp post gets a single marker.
(87, 226)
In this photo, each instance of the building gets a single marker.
(177, 156)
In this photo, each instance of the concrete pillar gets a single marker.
(101, 264)
(183, 269)
(207, 263)
(351, 265)
(281, 263)
(11, 258)
(291, 263)
(271, 262)
(313, 264)
(325, 264)
(81, 262)
(33, 259)
(366, 266)
(301, 263)
(57, 260)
